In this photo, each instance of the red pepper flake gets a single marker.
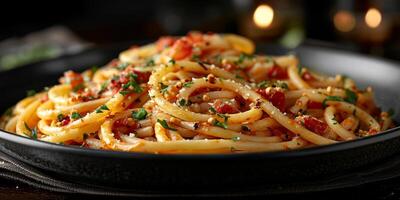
(315, 125)
(308, 76)
(314, 105)
(277, 72)
(275, 96)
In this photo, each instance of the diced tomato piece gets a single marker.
(164, 42)
(315, 125)
(372, 132)
(224, 107)
(124, 127)
(277, 72)
(275, 96)
(65, 121)
(123, 79)
(142, 77)
(72, 78)
(314, 105)
(241, 101)
(181, 49)
(307, 76)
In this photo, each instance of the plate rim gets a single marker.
(340, 146)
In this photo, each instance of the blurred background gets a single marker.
(33, 31)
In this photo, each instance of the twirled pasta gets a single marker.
(200, 93)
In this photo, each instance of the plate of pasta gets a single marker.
(208, 102)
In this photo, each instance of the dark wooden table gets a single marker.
(385, 190)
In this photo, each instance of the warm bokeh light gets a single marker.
(373, 17)
(263, 16)
(344, 21)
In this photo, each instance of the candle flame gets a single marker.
(344, 21)
(263, 16)
(373, 18)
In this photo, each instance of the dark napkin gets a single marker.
(16, 170)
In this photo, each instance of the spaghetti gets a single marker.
(200, 93)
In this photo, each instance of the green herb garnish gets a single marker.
(331, 98)
(187, 84)
(75, 115)
(164, 124)
(164, 88)
(182, 102)
(132, 86)
(60, 117)
(243, 57)
(140, 114)
(172, 61)
(351, 97)
(212, 110)
(101, 109)
(220, 124)
(34, 133)
(150, 63)
(280, 84)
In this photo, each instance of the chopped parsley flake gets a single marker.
(75, 115)
(187, 84)
(150, 63)
(331, 98)
(164, 88)
(182, 102)
(101, 109)
(127, 88)
(140, 114)
(351, 97)
(220, 124)
(165, 125)
(34, 133)
(172, 61)
(223, 117)
(60, 117)
(212, 110)
(280, 84)
(243, 57)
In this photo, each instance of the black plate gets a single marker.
(137, 170)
